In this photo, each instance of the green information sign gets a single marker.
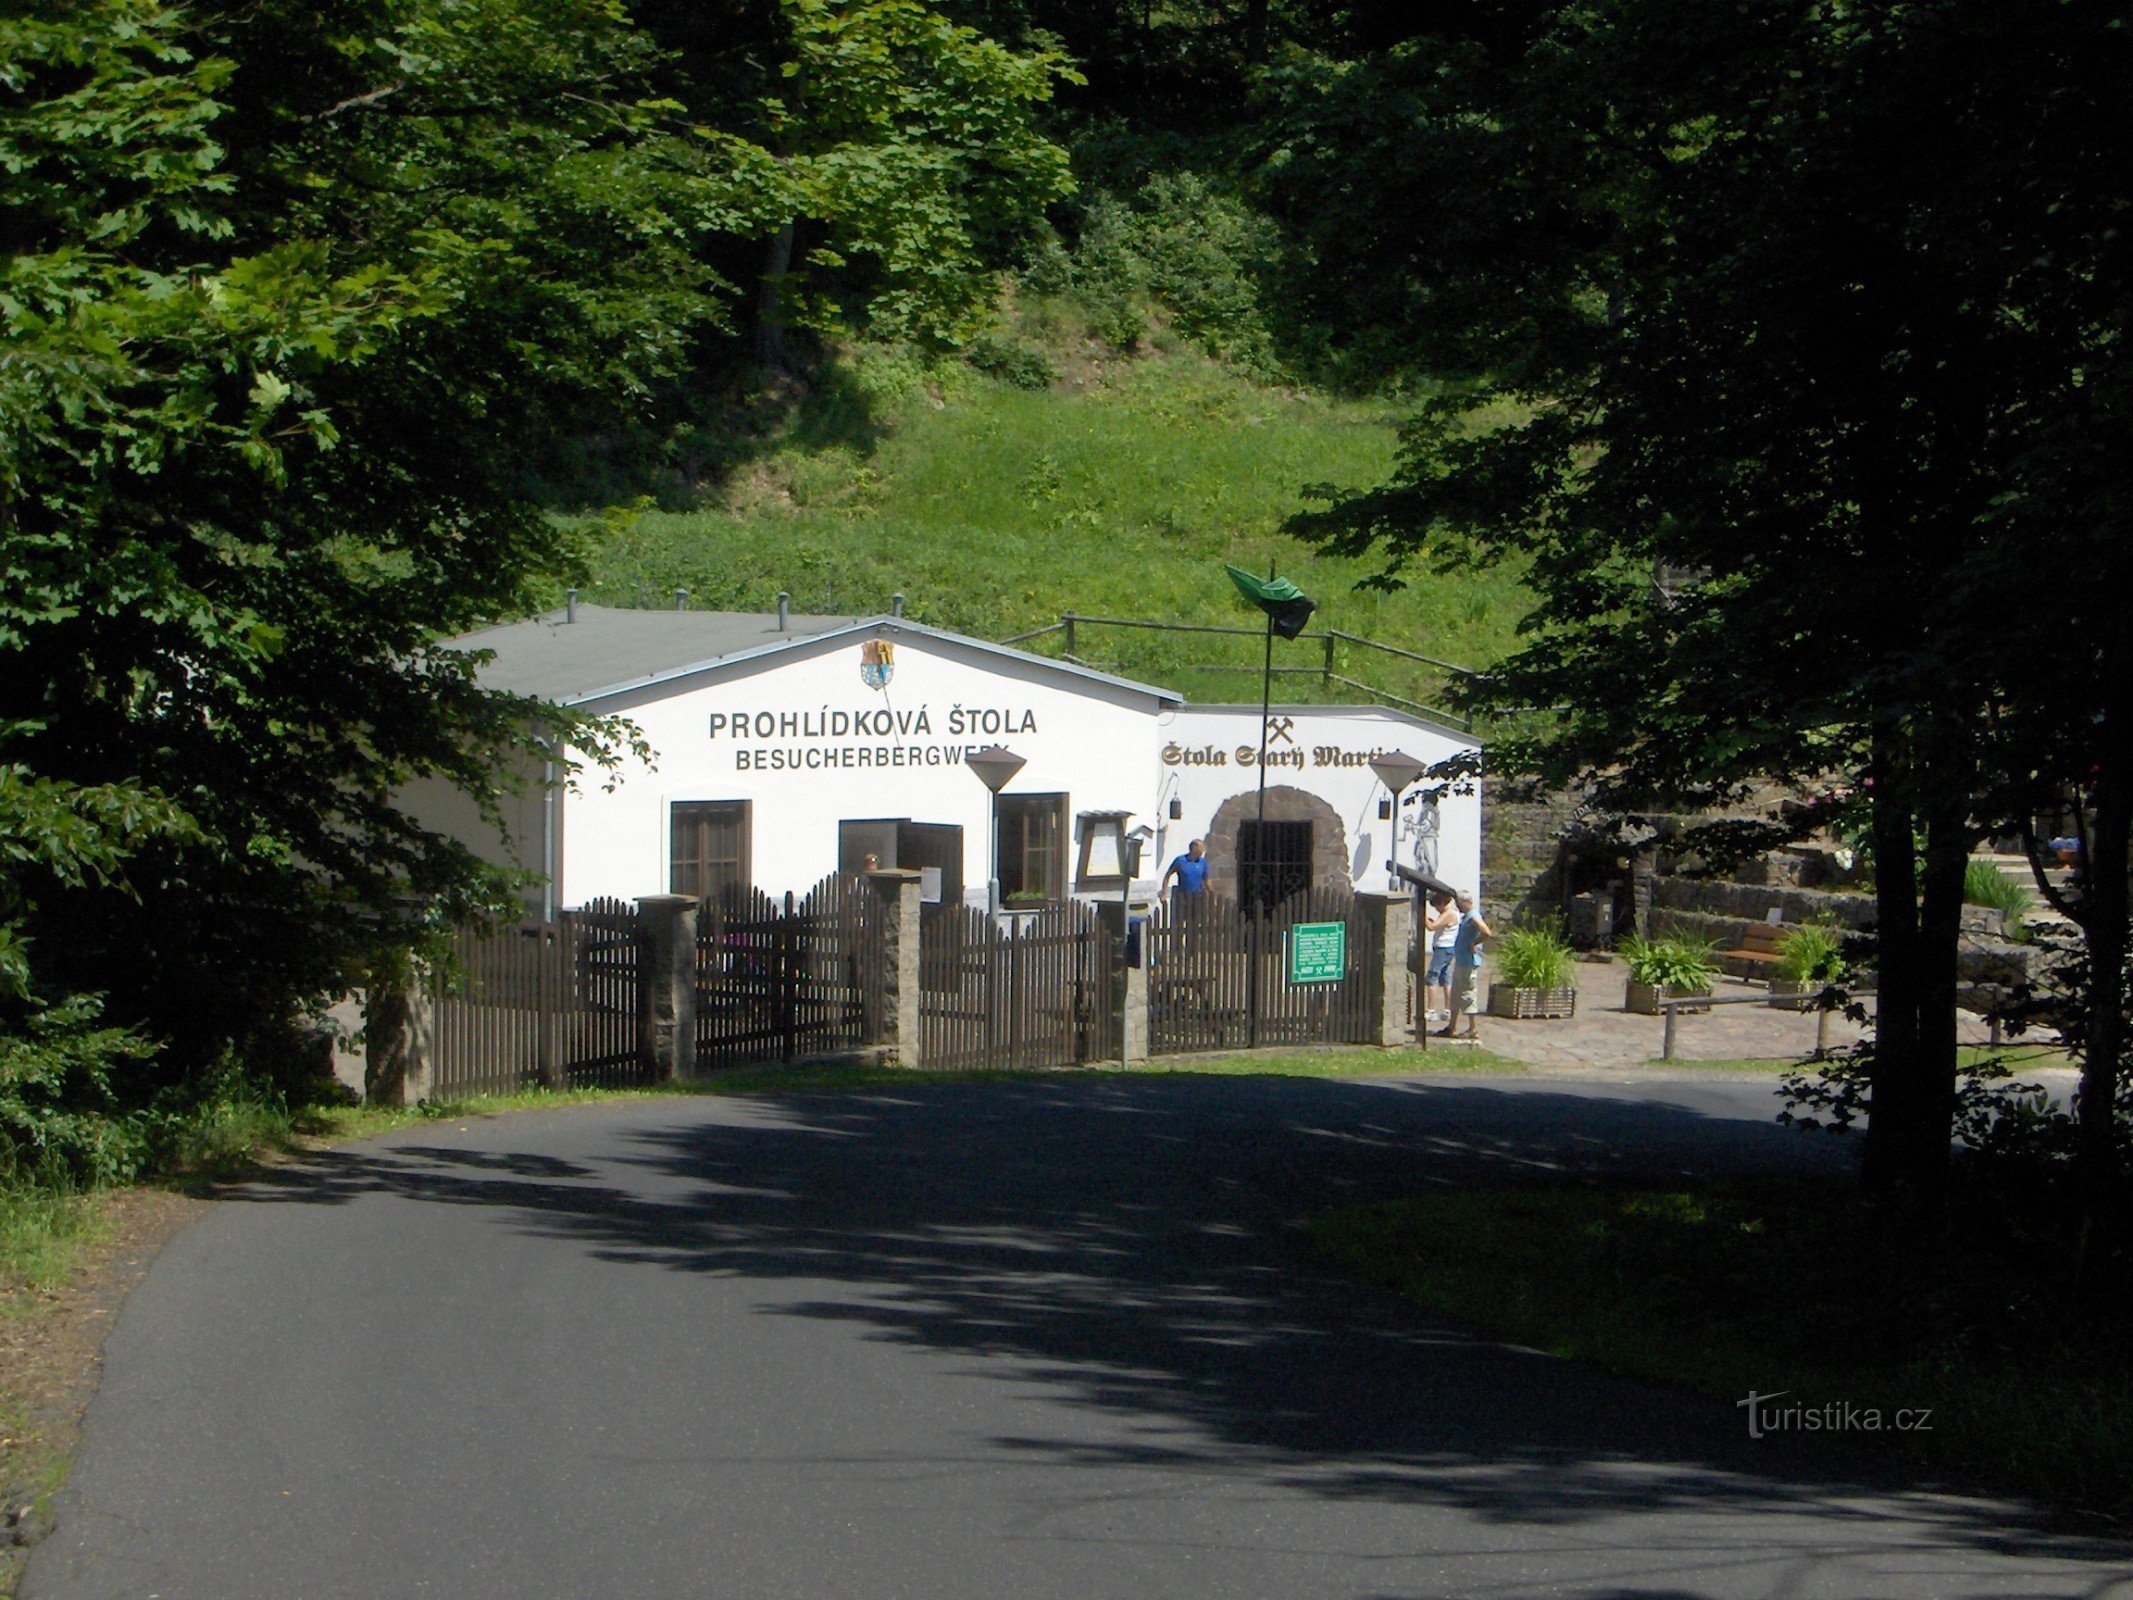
(1318, 952)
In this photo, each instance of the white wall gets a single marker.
(1094, 742)
(1208, 754)
(749, 731)
(520, 845)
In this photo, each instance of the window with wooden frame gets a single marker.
(709, 854)
(1032, 842)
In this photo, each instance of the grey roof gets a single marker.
(607, 648)
(608, 651)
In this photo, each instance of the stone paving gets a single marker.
(1602, 1034)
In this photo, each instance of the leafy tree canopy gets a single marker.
(291, 294)
(1757, 333)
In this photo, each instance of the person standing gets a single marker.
(1467, 944)
(1190, 869)
(1440, 930)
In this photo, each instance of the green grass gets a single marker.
(1786, 1287)
(42, 1230)
(1353, 1062)
(1985, 884)
(994, 509)
(2019, 1058)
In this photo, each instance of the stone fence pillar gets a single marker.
(891, 999)
(666, 986)
(1390, 917)
(399, 1040)
(1128, 999)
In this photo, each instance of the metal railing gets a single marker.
(1070, 622)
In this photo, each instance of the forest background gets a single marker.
(1711, 377)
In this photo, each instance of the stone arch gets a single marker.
(1284, 803)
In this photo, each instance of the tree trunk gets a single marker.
(2105, 904)
(1255, 31)
(770, 351)
(1894, 1072)
(1940, 933)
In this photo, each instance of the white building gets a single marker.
(785, 750)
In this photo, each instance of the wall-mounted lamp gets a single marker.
(1177, 808)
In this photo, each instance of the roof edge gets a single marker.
(883, 623)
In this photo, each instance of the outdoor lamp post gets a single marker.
(996, 767)
(1396, 771)
(1129, 868)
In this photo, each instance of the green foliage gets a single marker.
(1682, 966)
(1666, 269)
(57, 1127)
(910, 146)
(1182, 243)
(1985, 884)
(1016, 362)
(1811, 953)
(1535, 956)
(291, 291)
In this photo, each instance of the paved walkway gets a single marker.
(1602, 1034)
(1049, 1340)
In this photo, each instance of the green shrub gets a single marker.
(1533, 957)
(1184, 242)
(1049, 269)
(1986, 885)
(1685, 964)
(1015, 362)
(60, 1123)
(1812, 952)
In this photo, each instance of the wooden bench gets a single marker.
(1756, 956)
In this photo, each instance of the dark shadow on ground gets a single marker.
(1129, 1244)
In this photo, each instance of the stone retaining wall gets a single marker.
(1522, 857)
(1753, 902)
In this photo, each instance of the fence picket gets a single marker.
(1200, 989)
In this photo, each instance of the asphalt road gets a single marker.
(1021, 1340)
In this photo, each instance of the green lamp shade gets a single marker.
(1287, 607)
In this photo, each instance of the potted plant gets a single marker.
(1533, 974)
(1984, 884)
(1810, 957)
(1673, 969)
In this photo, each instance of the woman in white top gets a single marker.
(1441, 928)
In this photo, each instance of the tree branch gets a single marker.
(358, 101)
(2057, 898)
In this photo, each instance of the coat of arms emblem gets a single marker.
(877, 663)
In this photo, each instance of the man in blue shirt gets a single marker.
(1190, 869)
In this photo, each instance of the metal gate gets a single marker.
(1027, 989)
(777, 980)
(1218, 975)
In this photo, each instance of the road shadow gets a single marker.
(1129, 1245)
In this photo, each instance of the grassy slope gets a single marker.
(1786, 1287)
(1121, 491)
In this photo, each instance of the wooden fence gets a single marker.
(1202, 952)
(539, 1004)
(559, 1004)
(1030, 989)
(777, 979)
